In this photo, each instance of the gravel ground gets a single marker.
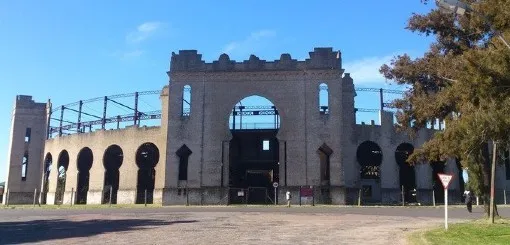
(220, 225)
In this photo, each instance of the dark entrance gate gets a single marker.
(254, 154)
(254, 164)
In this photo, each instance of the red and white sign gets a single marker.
(445, 179)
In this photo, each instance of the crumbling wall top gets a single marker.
(191, 61)
(26, 101)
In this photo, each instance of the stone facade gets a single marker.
(293, 87)
(26, 144)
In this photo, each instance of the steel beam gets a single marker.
(61, 119)
(136, 108)
(79, 115)
(103, 125)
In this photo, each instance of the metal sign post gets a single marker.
(445, 180)
(275, 185)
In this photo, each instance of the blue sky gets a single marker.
(71, 50)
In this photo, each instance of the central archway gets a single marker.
(254, 150)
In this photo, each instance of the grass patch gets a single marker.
(474, 232)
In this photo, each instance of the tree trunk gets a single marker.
(486, 173)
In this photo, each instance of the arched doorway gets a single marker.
(84, 163)
(112, 160)
(62, 166)
(324, 164)
(369, 156)
(406, 171)
(48, 160)
(254, 150)
(147, 156)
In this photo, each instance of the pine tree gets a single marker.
(463, 79)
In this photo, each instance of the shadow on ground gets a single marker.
(44, 230)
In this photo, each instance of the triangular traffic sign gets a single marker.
(445, 179)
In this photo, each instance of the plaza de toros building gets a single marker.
(206, 150)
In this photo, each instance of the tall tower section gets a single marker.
(26, 145)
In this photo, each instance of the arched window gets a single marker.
(253, 113)
(186, 101)
(323, 99)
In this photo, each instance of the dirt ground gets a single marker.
(222, 226)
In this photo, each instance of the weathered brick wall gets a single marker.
(293, 87)
(26, 114)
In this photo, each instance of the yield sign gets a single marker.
(445, 179)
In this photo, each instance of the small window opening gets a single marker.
(27, 135)
(323, 99)
(186, 101)
(24, 166)
(265, 145)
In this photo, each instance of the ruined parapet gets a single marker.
(348, 84)
(26, 145)
(386, 119)
(348, 94)
(320, 58)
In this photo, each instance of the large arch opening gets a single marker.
(437, 167)
(406, 171)
(62, 166)
(369, 156)
(48, 160)
(147, 156)
(84, 163)
(254, 150)
(112, 160)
